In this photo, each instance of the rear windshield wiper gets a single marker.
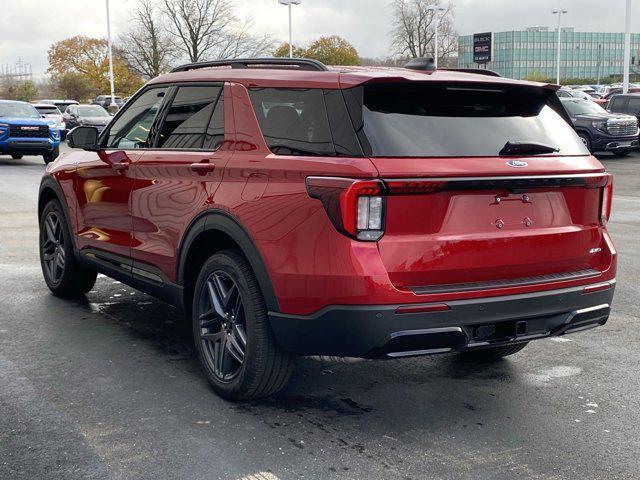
(526, 148)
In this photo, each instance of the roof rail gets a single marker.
(291, 63)
(477, 71)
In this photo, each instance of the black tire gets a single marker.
(586, 139)
(262, 369)
(62, 273)
(16, 156)
(491, 354)
(51, 156)
(621, 153)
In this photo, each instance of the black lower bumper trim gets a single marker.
(380, 332)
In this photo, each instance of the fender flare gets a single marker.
(49, 183)
(217, 220)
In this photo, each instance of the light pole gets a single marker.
(559, 12)
(435, 9)
(627, 49)
(289, 3)
(113, 100)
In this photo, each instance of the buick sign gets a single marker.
(482, 47)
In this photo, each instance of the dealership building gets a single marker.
(518, 54)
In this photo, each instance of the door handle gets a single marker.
(203, 168)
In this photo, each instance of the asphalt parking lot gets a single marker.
(108, 387)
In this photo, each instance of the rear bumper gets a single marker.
(380, 331)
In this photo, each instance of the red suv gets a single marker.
(292, 209)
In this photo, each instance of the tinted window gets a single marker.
(188, 117)
(617, 104)
(445, 120)
(634, 105)
(131, 129)
(215, 130)
(48, 110)
(293, 121)
(92, 111)
(583, 107)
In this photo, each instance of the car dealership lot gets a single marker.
(109, 388)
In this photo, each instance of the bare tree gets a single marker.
(414, 29)
(147, 47)
(240, 43)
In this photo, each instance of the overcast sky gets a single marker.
(29, 27)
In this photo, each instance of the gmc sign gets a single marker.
(482, 47)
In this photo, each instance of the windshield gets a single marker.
(22, 110)
(456, 120)
(584, 108)
(92, 111)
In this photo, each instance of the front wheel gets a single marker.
(16, 156)
(232, 333)
(51, 156)
(64, 276)
(586, 140)
(491, 354)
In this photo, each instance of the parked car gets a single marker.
(62, 105)
(628, 104)
(23, 131)
(91, 115)
(600, 130)
(579, 94)
(105, 101)
(53, 117)
(294, 209)
(611, 92)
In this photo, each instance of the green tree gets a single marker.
(333, 50)
(26, 91)
(73, 85)
(283, 51)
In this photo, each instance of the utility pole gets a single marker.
(435, 9)
(113, 100)
(627, 49)
(289, 3)
(559, 12)
(599, 61)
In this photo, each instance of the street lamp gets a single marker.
(559, 12)
(627, 49)
(435, 9)
(289, 3)
(113, 100)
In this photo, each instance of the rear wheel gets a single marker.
(490, 354)
(621, 152)
(51, 156)
(64, 276)
(586, 140)
(231, 331)
(16, 156)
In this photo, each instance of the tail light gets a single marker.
(605, 203)
(355, 207)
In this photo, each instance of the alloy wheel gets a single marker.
(53, 253)
(222, 325)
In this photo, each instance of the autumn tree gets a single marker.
(72, 85)
(146, 46)
(283, 51)
(333, 50)
(25, 91)
(414, 29)
(89, 57)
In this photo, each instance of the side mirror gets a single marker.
(84, 137)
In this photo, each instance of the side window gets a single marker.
(131, 129)
(188, 118)
(293, 121)
(617, 104)
(215, 130)
(634, 105)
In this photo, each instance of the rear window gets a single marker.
(445, 120)
(293, 121)
(48, 110)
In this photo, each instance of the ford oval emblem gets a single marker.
(517, 163)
